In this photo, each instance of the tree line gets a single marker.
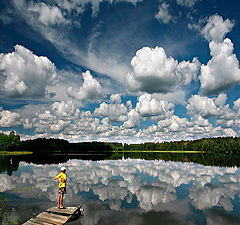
(221, 151)
(207, 145)
(59, 145)
(218, 146)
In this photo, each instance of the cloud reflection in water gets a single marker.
(139, 189)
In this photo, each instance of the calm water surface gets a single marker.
(126, 192)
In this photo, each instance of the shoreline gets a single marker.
(15, 153)
(167, 151)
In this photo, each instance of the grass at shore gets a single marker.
(15, 153)
(118, 151)
(177, 151)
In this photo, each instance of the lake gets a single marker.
(124, 191)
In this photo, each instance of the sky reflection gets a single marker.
(143, 191)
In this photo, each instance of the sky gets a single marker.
(129, 71)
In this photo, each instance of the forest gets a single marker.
(205, 145)
(221, 151)
(219, 145)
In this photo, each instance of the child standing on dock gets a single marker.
(62, 186)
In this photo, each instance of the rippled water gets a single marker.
(127, 192)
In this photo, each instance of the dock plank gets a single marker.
(68, 210)
(53, 218)
(29, 222)
(35, 221)
(46, 221)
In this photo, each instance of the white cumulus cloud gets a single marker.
(133, 120)
(222, 71)
(209, 107)
(90, 90)
(152, 72)
(63, 109)
(151, 107)
(53, 118)
(9, 119)
(115, 112)
(187, 71)
(59, 126)
(116, 98)
(27, 74)
(216, 28)
(236, 107)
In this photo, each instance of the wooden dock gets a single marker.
(55, 216)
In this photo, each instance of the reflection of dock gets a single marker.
(55, 216)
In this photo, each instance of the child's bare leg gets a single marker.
(61, 200)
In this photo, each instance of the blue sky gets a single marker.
(125, 70)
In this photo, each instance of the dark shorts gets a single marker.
(62, 190)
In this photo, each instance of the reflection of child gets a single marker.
(62, 186)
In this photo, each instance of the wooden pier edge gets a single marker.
(55, 216)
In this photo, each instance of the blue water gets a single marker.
(129, 192)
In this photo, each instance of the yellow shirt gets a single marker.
(62, 179)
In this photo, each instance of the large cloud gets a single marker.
(64, 109)
(8, 118)
(27, 74)
(148, 106)
(90, 90)
(116, 98)
(151, 107)
(216, 28)
(209, 107)
(173, 124)
(222, 71)
(187, 71)
(133, 120)
(115, 112)
(203, 106)
(152, 72)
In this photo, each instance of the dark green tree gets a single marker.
(9, 142)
